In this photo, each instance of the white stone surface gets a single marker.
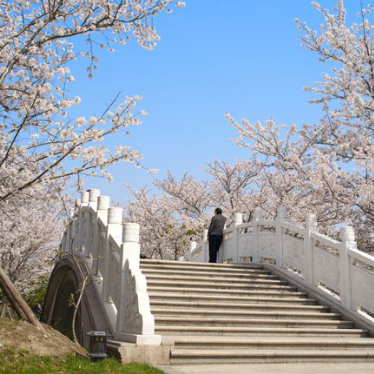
(131, 232)
(300, 368)
(112, 252)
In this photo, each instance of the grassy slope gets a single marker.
(22, 362)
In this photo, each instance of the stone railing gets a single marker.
(111, 250)
(335, 267)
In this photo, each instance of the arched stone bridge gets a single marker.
(280, 293)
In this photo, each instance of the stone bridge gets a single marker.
(280, 292)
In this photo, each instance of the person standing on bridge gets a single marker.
(215, 234)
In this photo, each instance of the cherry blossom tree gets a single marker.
(189, 197)
(180, 209)
(164, 233)
(41, 145)
(30, 228)
(234, 188)
(36, 50)
(326, 167)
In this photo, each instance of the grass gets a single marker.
(22, 362)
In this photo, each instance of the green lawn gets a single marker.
(12, 362)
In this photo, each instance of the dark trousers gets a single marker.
(214, 243)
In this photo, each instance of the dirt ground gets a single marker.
(21, 335)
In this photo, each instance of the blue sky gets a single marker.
(239, 56)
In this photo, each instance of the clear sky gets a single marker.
(239, 56)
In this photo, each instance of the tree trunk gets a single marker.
(4, 306)
(17, 301)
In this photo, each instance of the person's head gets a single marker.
(218, 211)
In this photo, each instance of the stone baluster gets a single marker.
(310, 226)
(281, 215)
(71, 213)
(93, 195)
(85, 198)
(257, 216)
(64, 246)
(75, 226)
(103, 203)
(238, 220)
(193, 246)
(130, 251)
(114, 229)
(70, 232)
(81, 221)
(348, 241)
(205, 246)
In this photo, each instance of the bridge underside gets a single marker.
(64, 284)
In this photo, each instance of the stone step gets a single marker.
(226, 356)
(224, 292)
(253, 297)
(221, 306)
(237, 313)
(206, 269)
(219, 285)
(253, 322)
(238, 275)
(231, 342)
(233, 314)
(200, 265)
(258, 331)
(201, 280)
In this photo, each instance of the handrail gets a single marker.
(302, 256)
(131, 321)
(325, 240)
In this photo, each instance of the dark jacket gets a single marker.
(217, 225)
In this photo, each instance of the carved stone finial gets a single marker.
(347, 234)
(311, 220)
(205, 234)
(192, 245)
(257, 213)
(115, 215)
(84, 197)
(71, 212)
(281, 212)
(94, 193)
(130, 232)
(103, 202)
(238, 218)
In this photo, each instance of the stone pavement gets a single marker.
(299, 368)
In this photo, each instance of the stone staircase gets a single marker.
(231, 313)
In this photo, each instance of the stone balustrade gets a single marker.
(337, 268)
(95, 234)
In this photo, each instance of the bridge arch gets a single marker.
(65, 281)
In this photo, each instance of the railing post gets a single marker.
(103, 203)
(238, 219)
(93, 195)
(114, 228)
(65, 241)
(310, 226)
(348, 241)
(281, 215)
(257, 215)
(81, 221)
(192, 247)
(73, 242)
(205, 246)
(130, 250)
